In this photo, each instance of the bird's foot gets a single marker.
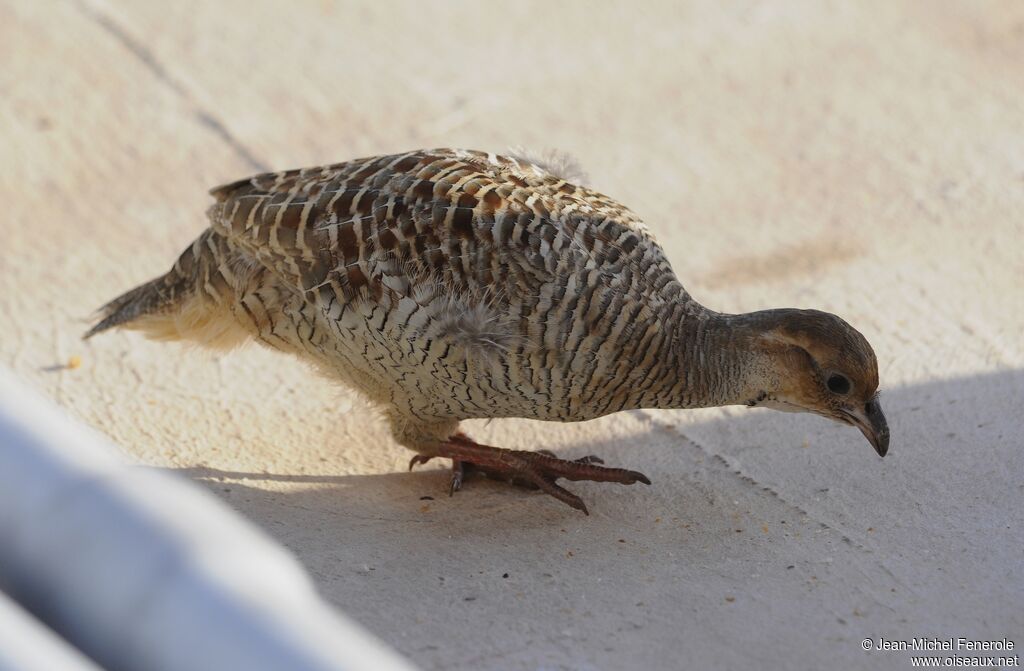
(533, 470)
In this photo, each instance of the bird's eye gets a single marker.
(838, 384)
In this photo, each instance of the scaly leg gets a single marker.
(537, 470)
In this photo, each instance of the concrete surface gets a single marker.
(864, 158)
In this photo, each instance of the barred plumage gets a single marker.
(452, 284)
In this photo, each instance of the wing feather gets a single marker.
(456, 220)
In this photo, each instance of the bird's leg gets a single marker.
(535, 470)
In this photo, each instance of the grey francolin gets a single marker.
(446, 285)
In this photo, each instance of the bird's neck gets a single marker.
(711, 361)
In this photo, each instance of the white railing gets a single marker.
(140, 569)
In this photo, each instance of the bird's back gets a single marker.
(486, 284)
(463, 218)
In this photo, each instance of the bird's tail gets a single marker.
(192, 301)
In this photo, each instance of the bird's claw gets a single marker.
(418, 460)
(459, 470)
(532, 470)
(458, 473)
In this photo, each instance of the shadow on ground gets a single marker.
(786, 526)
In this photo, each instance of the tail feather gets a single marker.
(191, 301)
(152, 298)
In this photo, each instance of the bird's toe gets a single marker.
(418, 460)
(459, 470)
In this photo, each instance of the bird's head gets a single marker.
(818, 363)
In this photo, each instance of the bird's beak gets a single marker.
(871, 422)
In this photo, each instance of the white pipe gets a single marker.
(143, 570)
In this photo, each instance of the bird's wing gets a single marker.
(460, 220)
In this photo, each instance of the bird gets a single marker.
(449, 284)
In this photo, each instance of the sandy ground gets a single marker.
(863, 158)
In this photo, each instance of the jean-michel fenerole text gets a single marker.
(925, 643)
